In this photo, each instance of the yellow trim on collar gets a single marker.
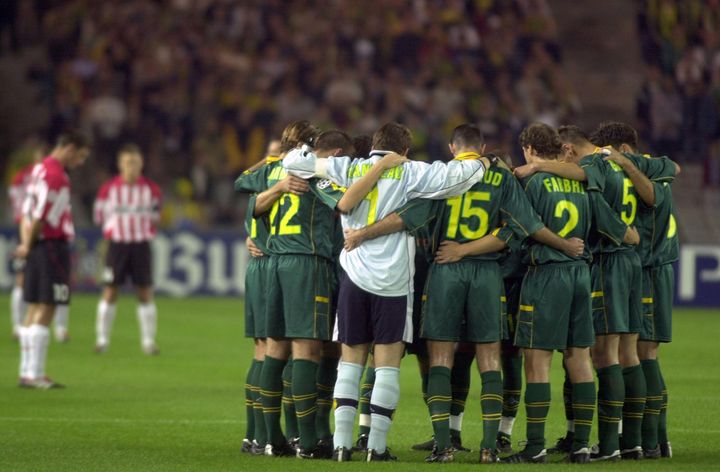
(465, 156)
(269, 159)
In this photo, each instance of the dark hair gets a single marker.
(543, 139)
(130, 148)
(392, 137)
(467, 135)
(333, 139)
(572, 134)
(299, 132)
(74, 138)
(363, 145)
(614, 133)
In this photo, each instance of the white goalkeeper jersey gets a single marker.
(385, 265)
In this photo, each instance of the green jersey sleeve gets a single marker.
(595, 171)
(252, 182)
(327, 192)
(655, 168)
(419, 213)
(517, 211)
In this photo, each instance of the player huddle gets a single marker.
(470, 259)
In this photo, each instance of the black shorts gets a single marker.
(364, 317)
(47, 273)
(125, 260)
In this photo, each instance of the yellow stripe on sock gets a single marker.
(635, 400)
(309, 396)
(537, 404)
(304, 413)
(265, 393)
(610, 403)
(440, 398)
(582, 422)
(271, 410)
(491, 396)
(512, 392)
(583, 407)
(651, 411)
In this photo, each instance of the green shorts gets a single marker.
(463, 302)
(255, 297)
(299, 292)
(617, 293)
(555, 307)
(511, 302)
(658, 286)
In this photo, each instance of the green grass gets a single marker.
(183, 410)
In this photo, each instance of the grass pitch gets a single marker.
(184, 409)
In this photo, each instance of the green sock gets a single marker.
(271, 392)
(366, 389)
(662, 422)
(651, 416)
(249, 402)
(460, 385)
(512, 385)
(583, 406)
(635, 393)
(260, 429)
(289, 413)
(305, 395)
(611, 392)
(439, 398)
(568, 403)
(326, 376)
(491, 401)
(537, 405)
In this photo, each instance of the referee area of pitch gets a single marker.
(184, 409)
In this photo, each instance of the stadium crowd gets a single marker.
(203, 84)
(680, 97)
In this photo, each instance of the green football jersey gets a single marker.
(497, 198)
(618, 191)
(298, 224)
(256, 228)
(420, 218)
(659, 242)
(564, 207)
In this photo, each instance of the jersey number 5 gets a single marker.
(628, 199)
(285, 226)
(462, 206)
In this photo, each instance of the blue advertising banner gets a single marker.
(189, 263)
(184, 262)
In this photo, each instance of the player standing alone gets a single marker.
(128, 208)
(45, 232)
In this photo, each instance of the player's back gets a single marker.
(564, 207)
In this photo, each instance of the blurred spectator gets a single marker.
(202, 85)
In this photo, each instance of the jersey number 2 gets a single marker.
(561, 208)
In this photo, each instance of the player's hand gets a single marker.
(294, 185)
(616, 157)
(632, 236)
(525, 171)
(353, 238)
(449, 251)
(391, 160)
(21, 252)
(575, 247)
(253, 249)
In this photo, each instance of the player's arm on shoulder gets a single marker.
(360, 188)
(567, 170)
(290, 184)
(641, 182)
(441, 180)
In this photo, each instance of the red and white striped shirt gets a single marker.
(48, 199)
(128, 212)
(18, 191)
